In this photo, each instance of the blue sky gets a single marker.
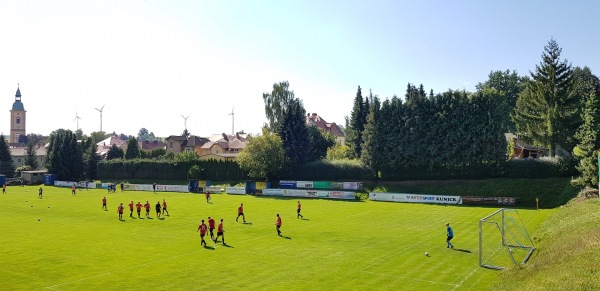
(149, 62)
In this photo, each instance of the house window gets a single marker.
(18, 160)
(18, 120)
(170, 144)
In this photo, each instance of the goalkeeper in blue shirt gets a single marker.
(449, 235)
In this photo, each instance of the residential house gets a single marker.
(316, 120)
(223, 146)
(19, 154)
(177, 144)
(522, 150)
(150, 145)
(105, 145)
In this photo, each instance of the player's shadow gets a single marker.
(122, 220)
(304, 219)
(286, 237)
(161, 218)
(227, 245)
(209, 248)
(247, 222)
(149, 218)
(461, 250)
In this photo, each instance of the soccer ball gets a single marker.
(38, 219)
(427, 254)
(250, 222)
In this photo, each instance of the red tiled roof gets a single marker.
(316, 120)
(150, 145)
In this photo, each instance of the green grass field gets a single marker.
(341, 245)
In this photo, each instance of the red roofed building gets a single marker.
(150, 145)
(223, 146)
(179, 144)
(104, 145)
(334, 129)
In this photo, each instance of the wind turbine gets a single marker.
(100, 110)
(77, 119)
(232, 121)
(185, 121)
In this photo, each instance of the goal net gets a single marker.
(503, 240)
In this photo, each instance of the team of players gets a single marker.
(202, 228)
(161, 209)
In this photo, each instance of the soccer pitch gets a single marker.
(340, 245)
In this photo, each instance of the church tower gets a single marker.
(17, 119)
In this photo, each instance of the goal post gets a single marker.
(503, 240)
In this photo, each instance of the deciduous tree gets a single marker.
(264, 156)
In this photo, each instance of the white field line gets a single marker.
(53, 287)
(465, 278)
(412, 279)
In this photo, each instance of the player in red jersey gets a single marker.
(164, 208)
(104, 204)
(202, 229)
(120, 211)
(211, 227)
(207, 197)
(241, 213)
(138, 207)
(131, 209)
(220, 232)
(278, 225)
(299, 208)
(147, 206)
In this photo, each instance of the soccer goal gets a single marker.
(503, 240)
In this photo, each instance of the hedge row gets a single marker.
(170, 170)
(516, 168)
(325, 170)
(332, 171)
(524, 168)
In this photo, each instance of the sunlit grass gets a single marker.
(340, 245)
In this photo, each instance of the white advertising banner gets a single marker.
(272, 192)
(416, 198)
(176, 188)
(304, 184)
(237, 190)
(64, 183)
(309, 193)
(351, 185)
(213, 189)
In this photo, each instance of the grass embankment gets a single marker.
(567, 256)
(552, 192)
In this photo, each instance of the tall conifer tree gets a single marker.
(547, 107)
(7, 166)
(356, 126)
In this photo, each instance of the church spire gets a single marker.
(18, 95)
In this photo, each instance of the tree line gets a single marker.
(555, 107)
